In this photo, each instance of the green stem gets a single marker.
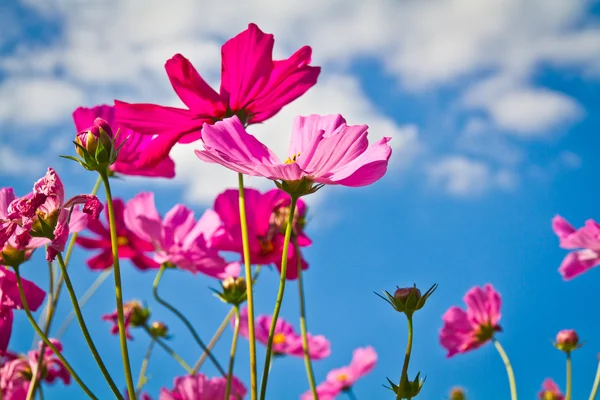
(170, 352)
(351, 394)
(404, 376)
(282, 280)
(303, 325)
(569, 377)
(183, 319)
(236, 332)
(39, 331)
(142, 377)
(83, 300)
(118, 288)
(596, 384)
(509, 370)
(248, 274)
(84, 329)
(213, 340)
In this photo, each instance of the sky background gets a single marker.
(493, 110)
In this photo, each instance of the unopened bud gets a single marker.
(138, 314)
(408, 300)
(567, 340)
(159, 329)
(234, 290)
(458, 393)
(96, 145)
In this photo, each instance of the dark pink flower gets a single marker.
(323, 149)
(10, 300)
(464, 331)
(178, 238)
(135, 315)
(285, 340)
(586, 238)
(17, 370)
(550, 391)
(134, 144)
(199, 387)
(130, 245)
(340, 379)
(253, 86)
(266, 215)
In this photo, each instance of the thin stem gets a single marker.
(303, 325)
(509, 370)
(221, 329)
(118, 288)
(404, 376)
(596, 384)
(183, 319)
(214, 340)
(170, 352)
(89, 293)
(84, 329)
(351, 394)
(39, 331)
(236, 332)
(282, 280)
(248, 273)
(142, 377)
(569, 377)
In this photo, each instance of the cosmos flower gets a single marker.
(199, 387)
(586, 238)
(550, 391)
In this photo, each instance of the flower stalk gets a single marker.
(509, 369)
(236, 333)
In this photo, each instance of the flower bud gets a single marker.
(159, 329)
(408, 389)
(408, 300)
(234, 290)
(138, 314)
(567, 340)
(96, 145)
(458, 393)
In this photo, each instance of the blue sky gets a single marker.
(492, 107)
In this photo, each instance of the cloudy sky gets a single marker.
(492, 107)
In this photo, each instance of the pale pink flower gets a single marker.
(132, 145)
(178, 238)
(586, 238)
(10, 299)
(550, 391)
(253, 87)
(341, 379)
(286, 341)
(464, 331)
(199, 387)
(323, 149)
(266, 215)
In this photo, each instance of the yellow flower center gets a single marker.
(278, 338)
(342, 377)
(292, 159)
(122, 241)
(266, 247)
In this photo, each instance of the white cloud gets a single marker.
(14, 163)
(464, 177)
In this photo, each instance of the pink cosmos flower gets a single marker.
(550, 391)
(135, 315)
(266, 214)
(16, 371)
(178, 238)
(199, 387)
(253, 86)
(285, 341)
(43, 210)
(341, 379)
(10, 300)
(586, 238)
(130, 245)
(464, 331)
(134, 144)
(323, 149)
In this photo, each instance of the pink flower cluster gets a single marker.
(199, 387)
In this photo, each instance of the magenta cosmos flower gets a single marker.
(130, 245)
(10, 300)
(266, 214)
(586, 238)
(199, 387)
(178, 238)
(285, 340)
(135, 315)
(464, 331)
(132, 144)
(323, 149)
(44, 214)
(253, 86)
(550, 391)
(342, 379)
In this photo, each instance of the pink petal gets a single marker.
(7, 195)
(363, 361)
(6, 323)
(306, 131)
(578, 262)
(366, 169)
(142, 218)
